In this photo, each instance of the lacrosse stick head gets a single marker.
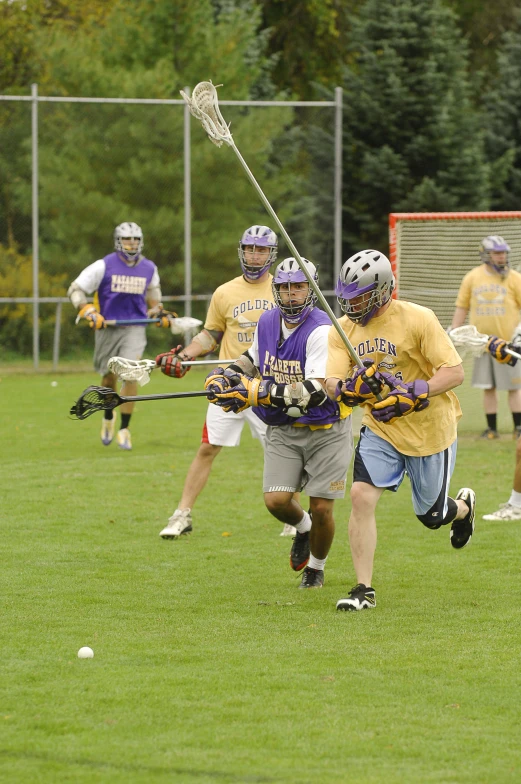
(94, 399)
(254, 239)
(494, 252)
(365, 284)
(468, 340)
(204, 105)
(132, 369)
(183, 324)
(294, 302)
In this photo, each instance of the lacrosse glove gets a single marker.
(242, 394)
(364, 386)
(218, 380)
(93, 316)
(405, 398)
(497, 347)
(164, 316)
(170, 363)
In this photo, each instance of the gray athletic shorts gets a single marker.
(317, 460)
(490, 374)
(128, 342)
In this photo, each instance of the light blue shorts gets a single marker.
(378, 463)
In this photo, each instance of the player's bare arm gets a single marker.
(444, 379)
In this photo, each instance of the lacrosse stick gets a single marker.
(140, 369)
(178, 325)
(473, 342)
(204, 105)
(105, 399)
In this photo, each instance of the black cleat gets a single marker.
(489, 434)
(312, 578)
(461, 530)
(299, 555)
(361, 597)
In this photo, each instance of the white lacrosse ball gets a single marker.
(85, 653)
(54, 383)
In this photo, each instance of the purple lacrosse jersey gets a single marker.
(122, 292)
(286, 363)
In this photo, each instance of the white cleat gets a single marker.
(288, 530)
(123, 439)
(107, 431)
(179, 524)
(505, 512)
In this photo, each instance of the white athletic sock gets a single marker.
(515, 499)
(316, 563)
(305, 524)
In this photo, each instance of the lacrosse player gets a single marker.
(309, 440)
(413, 428)
(492, 294)
(125, 283)
(234, 311)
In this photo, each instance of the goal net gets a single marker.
(430, 252)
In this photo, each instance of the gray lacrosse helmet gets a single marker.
(367, 274)
(128, 230)
(286, 273)
(497, 244)
(261, 237)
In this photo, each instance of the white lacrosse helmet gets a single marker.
(286, 273)
(261, 237)
(496, 244)
(128, 231)
(367, 274)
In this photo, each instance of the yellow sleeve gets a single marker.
(215, 318)
(436, 346)
(339, 363)
(465, 292)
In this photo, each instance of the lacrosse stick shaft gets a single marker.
(129, 322)
(512, 353)
(207, 362)
(166, 396)
(352, 353)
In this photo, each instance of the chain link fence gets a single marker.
(73, 168)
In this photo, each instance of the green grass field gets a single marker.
(210, 665)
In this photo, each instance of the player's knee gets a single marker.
(433, 518)
(276, 503)
(360, 492)
(208, 452)
(321, 509)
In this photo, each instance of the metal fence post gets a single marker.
(338, 190)
(36, 290)
(56, 341)
(188, 210)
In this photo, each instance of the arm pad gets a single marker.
(206, 340)
(244, 366)
(76, 295)
(296, 398)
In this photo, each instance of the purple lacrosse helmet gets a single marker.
(261, 237)
(286, 273)
(496, 244)
(368, 274)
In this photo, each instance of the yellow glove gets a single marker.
(164, 316)
(93, 316)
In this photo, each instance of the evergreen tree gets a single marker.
(412, 138)
(503, 122)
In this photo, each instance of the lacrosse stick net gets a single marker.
(470, 342)
(132, 369)
(94, 399)
(204, 106)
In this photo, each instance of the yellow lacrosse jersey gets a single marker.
(235, 309)
(493, 301)
(408, 341)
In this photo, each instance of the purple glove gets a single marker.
(402, 401)
(364, 385)
(497, 347)
(218, 380)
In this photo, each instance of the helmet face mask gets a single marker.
(365, 284)
(128, 241)
(494, 244)
(254, 239)
(292, 293)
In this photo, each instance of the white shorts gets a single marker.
(224, 428)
